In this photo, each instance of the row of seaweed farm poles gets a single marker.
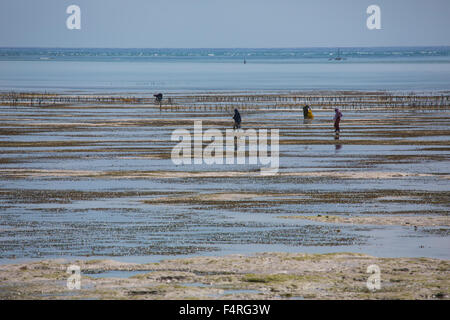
(329, 100)
(426, 102)
(251, 101)
(45, 99)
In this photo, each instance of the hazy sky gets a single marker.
(223, 23)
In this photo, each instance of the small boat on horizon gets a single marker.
(338, 57)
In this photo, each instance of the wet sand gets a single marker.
(415, 221)
(91, 178)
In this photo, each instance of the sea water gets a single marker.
(155, 70)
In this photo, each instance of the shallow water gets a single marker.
(143, 70)
(114, 274)
(129, 217)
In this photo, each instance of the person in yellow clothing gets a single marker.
(307, 112)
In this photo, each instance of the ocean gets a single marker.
(208, 69)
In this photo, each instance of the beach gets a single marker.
(280, 276)
(88, 179)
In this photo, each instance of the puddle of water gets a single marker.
(296, 298)
(240, 291)
(115, 274)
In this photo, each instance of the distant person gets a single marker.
(307, 112)
(237, 119)
(158, 97)
(337, 120)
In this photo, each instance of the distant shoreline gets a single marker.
(221, 48)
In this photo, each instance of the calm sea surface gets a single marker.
(150, 70)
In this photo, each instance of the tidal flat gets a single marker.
(89, 180)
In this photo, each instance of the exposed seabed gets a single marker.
(90, 177)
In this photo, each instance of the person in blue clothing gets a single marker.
(237, 119)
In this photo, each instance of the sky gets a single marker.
(223, 23)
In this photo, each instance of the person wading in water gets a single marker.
(337, 120)
(307, 112)
(237, 119)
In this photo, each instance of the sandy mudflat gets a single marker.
(260, 276)
(413, 221)
(17, 173)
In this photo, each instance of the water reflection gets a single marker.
(337, 146)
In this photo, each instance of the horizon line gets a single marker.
(306, 47)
